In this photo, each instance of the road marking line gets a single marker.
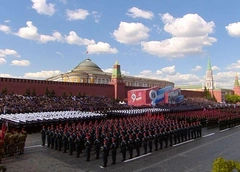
(137, 157)
(224, 130)
(183, 143)
(34, 146)
(208, 135)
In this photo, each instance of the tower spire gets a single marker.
(209, 76)
(236, 83)
(116, 74)
(209, 67)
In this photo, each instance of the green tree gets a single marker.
(208, 95)
(4, 91)
(27, 92)
(47, 92)
(79, 95)
(232, 98)
(52, 93)
(33, 92)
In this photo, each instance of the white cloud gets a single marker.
(43, 74)
(110, 70)
(8, 52)
(190, 35)
(6, 75)
(78, 14)
(63, 1)
(96, 16)
(234, 66)
(169, 70)
(158, 28)
(2, 61)
(42, 7)
(159, 72)
(184, 79)
(20, 63)
(169, 74)
(146, 72)
(6, 21)
(61, 54)
(197, 68)
(190, 25)
(73, 38)
(58, 36)
(5, 29)
(135, 12)
(225, 79)
(131, 33)
(233, 29)
(177, 46)
(101, 48)
(31, 32)
(215, 68)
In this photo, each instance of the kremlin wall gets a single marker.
(87, 79)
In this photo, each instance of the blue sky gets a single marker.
(170, 40)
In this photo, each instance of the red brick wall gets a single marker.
(237, 90)
(19, 86)
(188, 93)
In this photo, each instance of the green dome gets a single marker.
(87, 65)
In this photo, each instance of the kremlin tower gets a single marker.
(209, 84)
(236, 88)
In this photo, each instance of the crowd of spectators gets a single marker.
(11, 104)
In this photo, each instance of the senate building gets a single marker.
(89, 72)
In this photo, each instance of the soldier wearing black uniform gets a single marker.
(137, 145)
(65, 142)
(88, 148)
(155, 139)
(48, 133)
(105, 152)
(171, 133)
(97, 145)
(70, 144)
(78, 145)
(43, 134)
(150, 141)
(114, 151)
(52, 138)
(123, 148)
(130, 147)
(161, 138)
(165, 137)
(145, 142)
(56, 139)
(59, 138)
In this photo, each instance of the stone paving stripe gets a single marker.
(34, 146)
(224, 130)
(183, 143)
(137, 157)
(208, 135)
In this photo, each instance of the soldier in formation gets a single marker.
(127, 133)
